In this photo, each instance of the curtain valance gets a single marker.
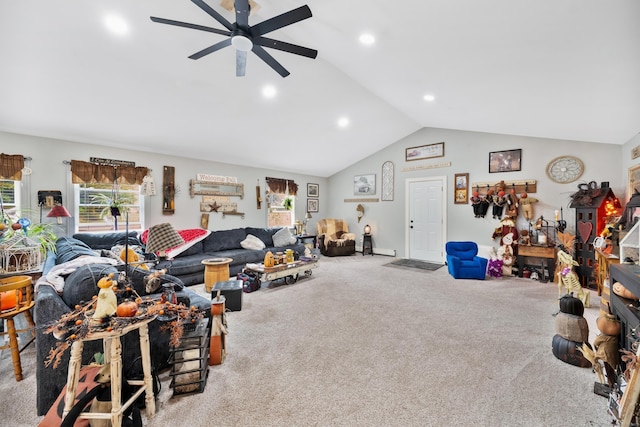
(11, 166)
(278, 185)
(87, 172)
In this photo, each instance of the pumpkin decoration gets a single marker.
(572, 327)
(571, 305)
(127, 308)
(269, 260)
(608, 324)
(568, 352)
(621, 291)
(9, 299)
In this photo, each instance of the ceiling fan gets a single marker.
(245, 37)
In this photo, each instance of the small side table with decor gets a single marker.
(367, 245)
(113, 356)
(215, 270)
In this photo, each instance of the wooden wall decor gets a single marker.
(168, 190)
(258, 196)
(204, 221)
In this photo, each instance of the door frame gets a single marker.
(407, 219)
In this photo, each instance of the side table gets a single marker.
(367, 245)
(304, 238)
(215, 270)
(113, 355)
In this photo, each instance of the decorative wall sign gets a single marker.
(387, 180)
(422, 152)
(420, 167)
(204, 221)
(362, 200)
(168, 190)
(633, 183)
(364, 185)
(635, 152)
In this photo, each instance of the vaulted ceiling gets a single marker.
(567, 69)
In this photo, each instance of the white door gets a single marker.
(426, 218)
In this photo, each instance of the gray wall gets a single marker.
(50, 173)
(468, 152)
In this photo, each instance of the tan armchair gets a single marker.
(334, 238)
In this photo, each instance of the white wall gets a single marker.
(468, 152)
(50, 173)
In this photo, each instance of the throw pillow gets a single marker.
(252, 242)
(283, 237)
(82, 284)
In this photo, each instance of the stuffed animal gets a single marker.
(526, 204)
(494, 266)
(153, 281)
(107, 301)
(568, 278)
(505, 253)
(133, 258)
(512, 203)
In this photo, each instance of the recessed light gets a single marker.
(116, 24)
(343, 122)
(429, 98)
(367, 39)
(269, 91)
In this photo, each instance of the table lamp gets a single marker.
(161, 238)
(59, 212)
(367, 229)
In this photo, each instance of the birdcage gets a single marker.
(19, 254)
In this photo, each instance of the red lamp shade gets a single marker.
(59, 211)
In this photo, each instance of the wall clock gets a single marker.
(565, 169)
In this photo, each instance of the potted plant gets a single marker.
(288, 203)
(115, 204)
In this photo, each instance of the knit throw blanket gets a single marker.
(334, 230)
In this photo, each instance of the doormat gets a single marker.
(414, 263)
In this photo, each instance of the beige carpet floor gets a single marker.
(361, 344)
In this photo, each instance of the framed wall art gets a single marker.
(633, 183)
(312, 205)
(461, 189)
(422, 152)
(364, 185)
(505, 161)
(313, 190)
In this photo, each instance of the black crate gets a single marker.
(232, 291)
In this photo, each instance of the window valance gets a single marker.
(87, 172)
(11, 166)
(278, 185)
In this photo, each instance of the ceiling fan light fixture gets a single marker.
(242, 43)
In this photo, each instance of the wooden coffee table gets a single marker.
(289, 272)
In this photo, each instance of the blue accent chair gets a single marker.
(463, 261)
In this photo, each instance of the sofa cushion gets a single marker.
(283, 237)
(264, 234)
(252, 242)
(224, 240)
(108, 240)
(68, 249)
(82, 284)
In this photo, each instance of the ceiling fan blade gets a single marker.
(242, 13)
(215, 15)
(188, 25)
(241, 63)
(270, 60)
(285, 47)
(211, 49)
(287, 18)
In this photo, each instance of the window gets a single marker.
(281, 210)
(10, 196)
(93, 213)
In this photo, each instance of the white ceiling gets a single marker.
(566, 69)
